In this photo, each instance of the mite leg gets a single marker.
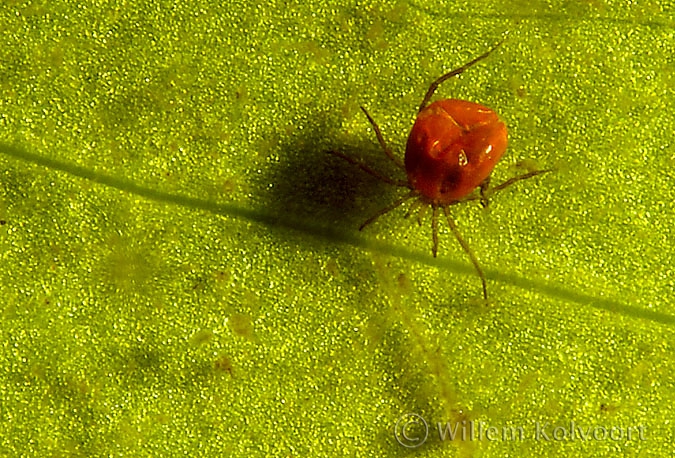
(434, 230)
(387, 209)
(383, 144)
(489, 191)
(467, 250)
(455, 72)
(369, 170)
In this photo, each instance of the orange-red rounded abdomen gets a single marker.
(453, 146)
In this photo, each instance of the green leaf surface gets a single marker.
(181, 269)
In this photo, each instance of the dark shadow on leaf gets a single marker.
(309, 183)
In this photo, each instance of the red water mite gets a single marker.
(452, 149)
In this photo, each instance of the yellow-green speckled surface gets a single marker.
(180, 270)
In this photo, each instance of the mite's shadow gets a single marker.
(310, 184)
